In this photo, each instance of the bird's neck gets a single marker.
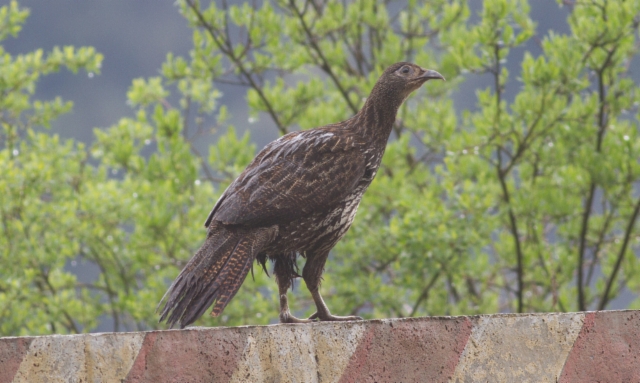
(375, 119)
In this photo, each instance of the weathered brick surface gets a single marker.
(574, 347)
(607, 349)
(12, 351)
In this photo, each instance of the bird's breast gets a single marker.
(320, 230)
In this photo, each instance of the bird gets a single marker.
(298, 197)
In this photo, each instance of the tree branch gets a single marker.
(627, 235)
(324, 64)
(583, 240)
(425, 292)
(584, 229)
(227, 48)
(516, 240)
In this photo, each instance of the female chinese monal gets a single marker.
(297, 197)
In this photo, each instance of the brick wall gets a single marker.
(575, 347)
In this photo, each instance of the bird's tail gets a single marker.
(214, 274)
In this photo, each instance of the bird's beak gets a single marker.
(431, 75)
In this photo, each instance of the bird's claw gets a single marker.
(332, 318)
(286, 317)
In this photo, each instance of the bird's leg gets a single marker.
(285, 279)
(311, 273)
(323, 312)
(285, 314)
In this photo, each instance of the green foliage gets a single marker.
(519, 205)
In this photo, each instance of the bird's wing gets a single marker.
(297, 174)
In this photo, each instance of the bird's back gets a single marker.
(298, 175)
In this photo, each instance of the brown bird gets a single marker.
(298, 197)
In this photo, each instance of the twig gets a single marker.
(324, 65)
(627, 235)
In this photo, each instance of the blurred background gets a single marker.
(435, 233)
(135, 37)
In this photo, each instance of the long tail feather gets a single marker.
(214, 274)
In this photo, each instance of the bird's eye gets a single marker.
(405, 69)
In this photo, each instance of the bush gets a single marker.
(518, 206)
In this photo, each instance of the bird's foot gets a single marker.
(328, 317)
(286, 317)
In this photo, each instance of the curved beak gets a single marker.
(432, 75)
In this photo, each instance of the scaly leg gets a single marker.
(312, 273)
(284, 276)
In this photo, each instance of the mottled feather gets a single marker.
(298, 196)
(297, 174)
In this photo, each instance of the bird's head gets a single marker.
(400, 79)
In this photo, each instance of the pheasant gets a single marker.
(298, 197)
